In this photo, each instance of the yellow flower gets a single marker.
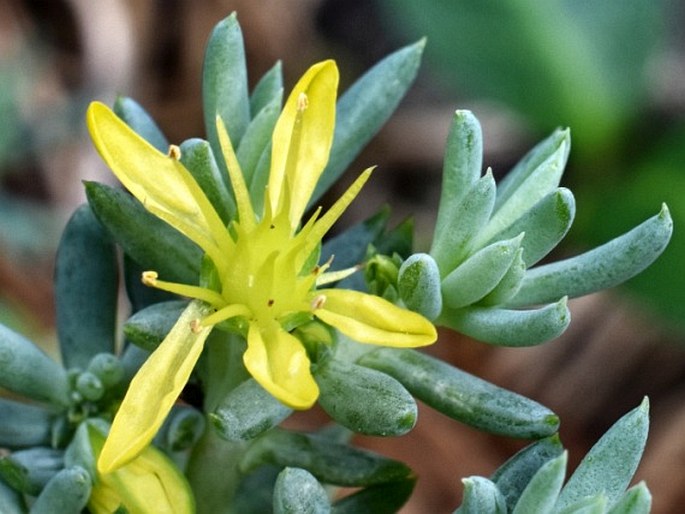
(149, 483)
(263, 263)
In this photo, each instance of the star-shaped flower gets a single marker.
(263, 262)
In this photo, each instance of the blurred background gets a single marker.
(614, 72)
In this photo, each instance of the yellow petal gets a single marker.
(314, 235)
(154, 389)
(242, 196)
(161, 183)
(302, 139)
(371, 319)
(149, 483)
(279, 362)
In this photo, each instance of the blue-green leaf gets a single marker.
(540, 495)
(636, 500)
(513, 476)
(247, 411)
(329, 462)
(461, 223)
(298, 492)
(480, 273)
(224, 84)
(418, 284)
(365, 107)
(481, 496)
(67, 492)
(610, 464)
(23, 425)
(507, 327)
(544, 225)
(141, 122)
(388, 409)
(605, 266)
(460, 172)
(86, 289)
(462, 396)
(268, 89)
(147, 239)
(25, 369)
(197, 156)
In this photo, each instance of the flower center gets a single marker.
(265, 271)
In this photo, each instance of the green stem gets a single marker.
(213, 473)
(213, 468)
(222, 367)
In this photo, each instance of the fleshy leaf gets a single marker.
(255, 143)
(540, 495)
(610, 464)
(544, 225)
(480, 273)
(636, 500)
(141, 122)
(268, 89)
(365, 107)
(481, 496)
(605, 266)
(460, 173)
(27, 370)
(86, 314)
(147, 328)
(507, 327)
(328, 461)
(530, 162)
(462, 396)
(67, 492)
(247, 412)
(224, 83)
(418, 284)
(542, 180)
(388, 409)
(297, 490)
(513, 476)
(198, 158)
(23, 424)
(462, 222)
(148, 240)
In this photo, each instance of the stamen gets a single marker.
(196, 326)
(302, 102)
(174, 152)
(336, 276)
(321, 269)
(149, 278)
(213, 298)
(230, 311)
(318, 301)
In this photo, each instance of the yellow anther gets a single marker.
(149, 278)
(196, 326)
(174, 152)
(318, 301)
(302, 102)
